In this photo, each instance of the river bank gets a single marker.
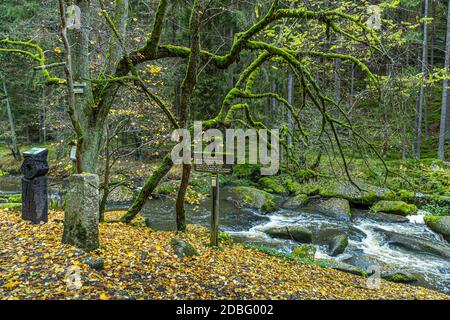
(403, 248)
(139, 263)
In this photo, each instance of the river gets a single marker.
(366, 240)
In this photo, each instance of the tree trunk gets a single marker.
(187, 89)
(150, 185)
(337, 81)
(291, 102)
(422, 100)
(442, 131)
(15, 149)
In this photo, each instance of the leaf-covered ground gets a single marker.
(140, 264)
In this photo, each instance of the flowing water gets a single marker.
(365, 238)
(366, 241)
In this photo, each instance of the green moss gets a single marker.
(431, 219)
(271, 185)
(439, 224)
(165, 188)
(247, 171)
(405, 195)
(225, 238)
(201, 183)
(394, 207)
(399, 277)
(15, 198)
(292, 186)
(254, 198)
(296, 201)
(436, 209)
(304, 251)
(306, 174)
(288, 256)
(309, 189)
(10, 205)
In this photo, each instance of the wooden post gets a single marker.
(215, 210)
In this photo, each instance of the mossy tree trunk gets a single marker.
(150, 185)
(187, 89)
(444, 107)
(91, 108)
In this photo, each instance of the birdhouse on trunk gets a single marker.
(73, 13)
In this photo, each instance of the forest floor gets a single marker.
(139, 263)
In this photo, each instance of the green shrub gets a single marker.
(436, 209)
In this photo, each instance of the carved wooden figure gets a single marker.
(35, 185)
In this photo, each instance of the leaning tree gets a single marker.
(89, 111)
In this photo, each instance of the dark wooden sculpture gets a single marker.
(35, 185)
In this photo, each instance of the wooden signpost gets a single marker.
(210, 165)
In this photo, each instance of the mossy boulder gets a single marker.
(310, 189)
(405, 195)
(247, 171)
(346, 267)
(304, 251)
(94, 262)
(296, 201)
(337, 244)
(183, 248)
(415, 244)
(253, 198)
(292, 186)
(336, 207)
(367, 194)
(306, 174)
(394, 207)
(439, 224)
(295, 233)
(271, 185)
(399, 277)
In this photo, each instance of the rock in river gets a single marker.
(337, 244)
(439, 224)
(386, 217)
(366, 194)
(253, 198)
(296, 201)
(394, 207)
(398, 276)
(416, 244)
(336, 207)
(336, 240)
(296, 233)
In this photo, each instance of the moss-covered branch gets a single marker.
(153, 41)
(12, 46)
